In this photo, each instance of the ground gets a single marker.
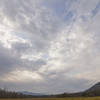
(92, 98)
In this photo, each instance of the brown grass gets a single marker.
(92, 98)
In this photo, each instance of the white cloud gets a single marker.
(22, 76)
(46, 46)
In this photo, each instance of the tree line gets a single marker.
(8, 94)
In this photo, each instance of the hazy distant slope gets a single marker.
(95, 87)
(31, 93)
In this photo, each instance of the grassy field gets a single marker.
(92, 98)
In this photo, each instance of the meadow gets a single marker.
(88, 98)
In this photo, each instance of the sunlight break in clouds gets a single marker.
(22, 76)
(49, 46)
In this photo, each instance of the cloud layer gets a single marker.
(49, 46)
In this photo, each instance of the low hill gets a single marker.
(91, 92)
(95, 87)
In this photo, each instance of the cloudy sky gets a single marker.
(49, 46)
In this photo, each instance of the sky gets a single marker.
(49, 46)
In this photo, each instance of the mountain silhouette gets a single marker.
(91, 92)
(95, 87)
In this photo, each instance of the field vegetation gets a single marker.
(78, 98)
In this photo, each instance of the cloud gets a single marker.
(21, 76)
(7, 60)
(56, 48)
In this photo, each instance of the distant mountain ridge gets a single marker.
(31, 93)
(91, 92)
(95, 87)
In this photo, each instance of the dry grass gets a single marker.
(92, 98)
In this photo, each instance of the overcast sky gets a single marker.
(49, 46)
